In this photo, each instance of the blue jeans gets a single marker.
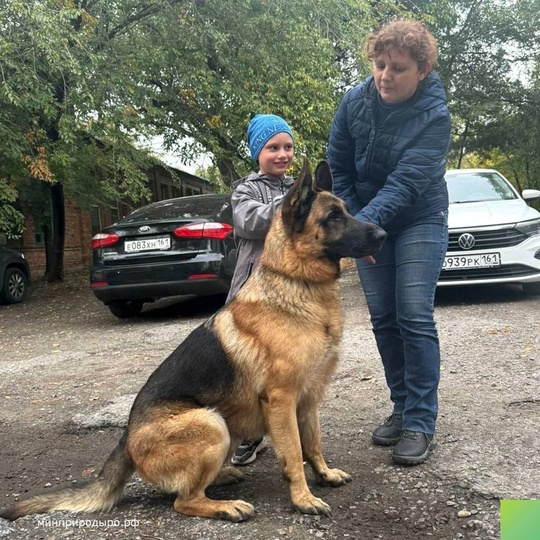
(400, 294)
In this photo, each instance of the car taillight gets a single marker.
(203, 276)
(211, 229)
(102, 240)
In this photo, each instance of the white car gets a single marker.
(494, 235)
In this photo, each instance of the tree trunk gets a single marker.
(48, 247)
(463, 143)
(227, 171)
(55, 255)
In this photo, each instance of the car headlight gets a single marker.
(530, 228)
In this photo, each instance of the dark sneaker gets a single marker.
(248, 450)
(414, 447)
(389, 431)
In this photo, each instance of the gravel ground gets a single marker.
(69, 371)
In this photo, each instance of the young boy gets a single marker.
(255, 200)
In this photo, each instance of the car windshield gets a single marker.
(478, 186)
(199, 206)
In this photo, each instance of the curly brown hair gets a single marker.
(411, 36)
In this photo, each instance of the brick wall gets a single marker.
(34, 254)
(77, 251)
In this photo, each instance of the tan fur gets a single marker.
(278, 347)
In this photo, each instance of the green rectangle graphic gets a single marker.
(520, 520)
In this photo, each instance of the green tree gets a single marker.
(513, 145)
(82, 79)
(67, 103)
(487, 49)
(251, 56)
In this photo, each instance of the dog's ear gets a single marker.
(323, 177)
(298, 201)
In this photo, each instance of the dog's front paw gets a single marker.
(310, 504)
(333, 478)
(235, 511)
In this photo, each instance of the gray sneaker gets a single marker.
(389, 432)
(247, 451)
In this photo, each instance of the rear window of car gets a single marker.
(198, 206)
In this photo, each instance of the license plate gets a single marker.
(483, 260)
(148, 244)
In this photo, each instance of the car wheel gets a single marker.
(15, 286)
(531, 288)
(125, 309)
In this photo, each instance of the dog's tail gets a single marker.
(100, 494)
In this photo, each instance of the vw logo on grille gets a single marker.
(466, 241)
(146, 228)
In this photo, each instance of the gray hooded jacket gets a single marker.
(255, 200)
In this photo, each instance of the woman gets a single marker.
(387, 151)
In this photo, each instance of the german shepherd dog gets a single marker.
(259, 366)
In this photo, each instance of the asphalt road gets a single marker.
(69, 371)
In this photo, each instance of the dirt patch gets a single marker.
(64, 355)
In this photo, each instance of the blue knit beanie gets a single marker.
(261, 129)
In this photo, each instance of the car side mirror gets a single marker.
(530, 194)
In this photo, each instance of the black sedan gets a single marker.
(14, 276)
(180, 246)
